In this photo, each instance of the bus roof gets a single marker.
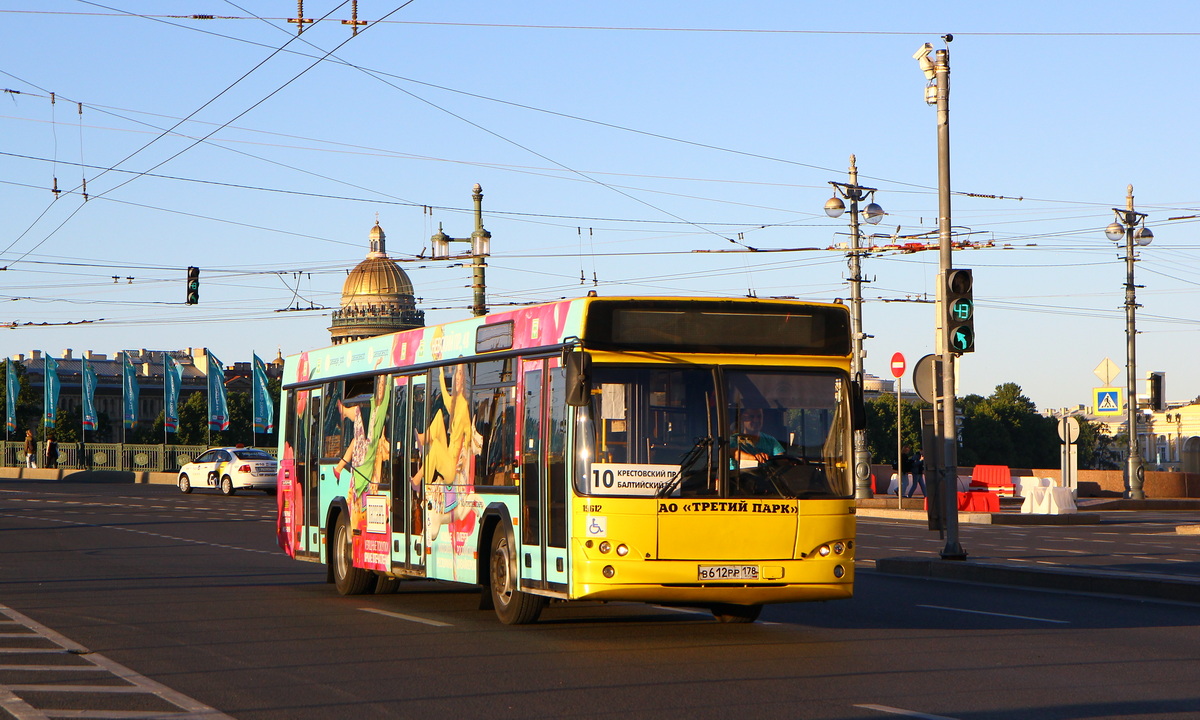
(680, 324)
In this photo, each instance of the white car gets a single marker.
(231, 469)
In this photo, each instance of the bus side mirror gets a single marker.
(858, 406)
(579, 378)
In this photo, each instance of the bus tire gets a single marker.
(736, 613)
(512, 606)
(385, 585)
(348, 579)
(227, 487)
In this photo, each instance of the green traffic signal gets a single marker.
(960, 311)
(193, 285)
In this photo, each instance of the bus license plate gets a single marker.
(728, 572)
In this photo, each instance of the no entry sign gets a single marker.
(898, 365)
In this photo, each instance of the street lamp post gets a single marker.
(873, 213)
(1131, 226)
(481, 248)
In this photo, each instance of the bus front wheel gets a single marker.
(736, 613)
(348, 579)
(513, 606)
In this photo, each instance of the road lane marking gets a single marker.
(901, 711)
(11, 701)
(410, 618)
(1005, 615)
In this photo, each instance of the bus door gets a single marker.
(308, 474)
(543, 521)
(556, 435)
(408, 485)
(533, 505)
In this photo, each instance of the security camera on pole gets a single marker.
(937, 92)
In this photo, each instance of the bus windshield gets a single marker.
(716, 432)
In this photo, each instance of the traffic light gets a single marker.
(193, 285)
(960, 311)
(1156, 381)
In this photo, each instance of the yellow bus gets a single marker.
(679, 451)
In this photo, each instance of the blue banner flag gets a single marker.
(172, 384)
(129, 391)
(264, 409)
(12, 388)
(218, 412)
(89, 396)
(50, 389)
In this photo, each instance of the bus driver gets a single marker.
(751, 446)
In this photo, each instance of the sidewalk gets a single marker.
(1174, 522)
(102, 476)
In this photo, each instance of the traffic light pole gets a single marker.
(946, 428)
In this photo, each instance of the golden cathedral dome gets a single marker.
(377, 297)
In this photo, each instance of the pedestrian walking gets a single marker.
(51, 451)
(904, 469)
(30, 450)
(918, 474)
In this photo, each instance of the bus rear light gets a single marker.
(622, 550)
(608, 571)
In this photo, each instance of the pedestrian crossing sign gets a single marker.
(1107, 401)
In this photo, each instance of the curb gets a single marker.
(977, 518)
(1106, 582)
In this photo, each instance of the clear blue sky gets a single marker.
(613, 141)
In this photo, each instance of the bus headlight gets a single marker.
(823, 551)
(605, 546)
(838, 571)
(622, 550)
(608, 571)
(839, 548)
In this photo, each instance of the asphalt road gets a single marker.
(188, 596)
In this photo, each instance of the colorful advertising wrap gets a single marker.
(51, 387)
(218, 411)
(173, 381)
(264, 409)
(129, 391)
(12, 388)
(89, 396)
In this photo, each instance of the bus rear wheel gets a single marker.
(736, 613)
(348, 579)
(513, 606)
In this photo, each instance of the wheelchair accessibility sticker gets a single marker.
(597, 526)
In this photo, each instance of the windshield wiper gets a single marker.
(691, 456)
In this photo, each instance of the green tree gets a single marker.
(881, 427)
(1005, 428)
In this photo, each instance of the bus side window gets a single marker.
(495, 421)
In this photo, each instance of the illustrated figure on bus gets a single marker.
(451, 443)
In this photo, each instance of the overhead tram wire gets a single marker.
(384, 20)
(516, 144)
(922, 188)
(216, 130)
